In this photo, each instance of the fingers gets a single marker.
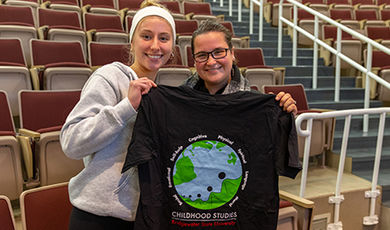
(138, 88)
(287, 102)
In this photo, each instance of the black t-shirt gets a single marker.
(210, 161)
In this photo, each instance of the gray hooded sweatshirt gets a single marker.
(98, 130)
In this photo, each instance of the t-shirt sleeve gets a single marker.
(142, 145)
(287, 156)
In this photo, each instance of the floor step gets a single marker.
(342, 105)
(360, 140)
(288, 61)
(322, 81)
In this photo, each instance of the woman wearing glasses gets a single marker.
(216, 72)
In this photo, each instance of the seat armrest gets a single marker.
(29, 133)
(42, 31)
(90, 34)
(27, 155)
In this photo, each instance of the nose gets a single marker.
(155, 44)
(210, 60)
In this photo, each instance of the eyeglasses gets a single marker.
(216, 54)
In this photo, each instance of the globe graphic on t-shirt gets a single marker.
(207, 174)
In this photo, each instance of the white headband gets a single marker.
(152, 11)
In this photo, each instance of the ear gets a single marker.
(233, 57)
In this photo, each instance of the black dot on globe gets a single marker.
(221, 175)
(209, 188)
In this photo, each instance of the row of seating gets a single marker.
(271, 7)
(61, 65)
(32, 154)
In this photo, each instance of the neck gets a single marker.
(142, 72)
(213, 89)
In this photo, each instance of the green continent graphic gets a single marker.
(207, 174)
(229, 189)
(203, 144)
(185, 171)
(233, 158)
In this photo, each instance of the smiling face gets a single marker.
(152, 45)
(216, 73)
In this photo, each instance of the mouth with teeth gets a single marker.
(155, 56)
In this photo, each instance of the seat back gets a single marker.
(103, 53)
(11, 52)
(16, 15)
(57, 18)
(66, 2)
(48, 52)
(198, 8)
(46, 207)
(7, 220)
(366, 14)
(172, 6)
(11, 183)
(378, 32)
(98, 3)
(103, 22)
(296, 90)
(185, 27)
(6, 122)
(385, 14)
(341, 14)
(330, 32)
(129, 4)
(43, 109)
(14, 74)
(249, 57)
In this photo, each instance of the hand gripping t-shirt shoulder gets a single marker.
(211, 161)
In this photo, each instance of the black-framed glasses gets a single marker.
(216, 54)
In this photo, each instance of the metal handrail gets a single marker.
(317, 16)
(338, 198)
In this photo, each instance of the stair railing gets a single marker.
(339, 55)
(371, 219)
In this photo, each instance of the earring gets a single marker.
(172, 56)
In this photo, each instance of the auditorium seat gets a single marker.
(380, 66)
(42, 114)
(199, 11)
(238, 42)
(345, 17)
(380, 34)
(128, 7)
(368, 17)
(46, 207)
(184, 30)
(174, 8)
(323, 129)
(65, 5)
(318, 5)
(104, 28)
(103, 53)
(252, 65)
(58, 65)
(18, 21)
(7, 220)
(339, 4)
(99, 7)
(11, 183)
(33, 4)
(271, 11)
(14, 74)
(349, 46)
(306, 22)
(61, 25)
